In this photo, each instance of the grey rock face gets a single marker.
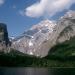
(4, 40)
(69, 31)
(42, 37)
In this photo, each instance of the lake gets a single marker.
(37, 71)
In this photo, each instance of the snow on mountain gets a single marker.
(11, 38)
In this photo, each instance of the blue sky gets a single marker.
(19, 15)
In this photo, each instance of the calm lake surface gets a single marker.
(37, 71)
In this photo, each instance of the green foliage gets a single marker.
(61, 55)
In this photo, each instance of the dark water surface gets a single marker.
(37, 71)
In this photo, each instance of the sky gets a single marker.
(20, 15)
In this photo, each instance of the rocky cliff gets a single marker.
(4, 40)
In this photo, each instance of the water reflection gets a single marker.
(36, 71)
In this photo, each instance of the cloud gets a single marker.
(47, 7)
(1, 2)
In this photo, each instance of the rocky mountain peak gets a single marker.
(70, 14)
(44, 23)
(39, 39)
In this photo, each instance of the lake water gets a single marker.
(37, 71)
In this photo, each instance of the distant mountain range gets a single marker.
(40, 38)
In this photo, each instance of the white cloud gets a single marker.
(1, 2)
(47, 7)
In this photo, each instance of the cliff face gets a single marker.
(4, 40)
(67, 21)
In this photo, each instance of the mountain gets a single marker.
(4, 40)
(31, 41)
(39, 39)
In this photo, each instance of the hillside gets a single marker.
(61, 55)
(65, 50)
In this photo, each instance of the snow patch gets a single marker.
(30, 43)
